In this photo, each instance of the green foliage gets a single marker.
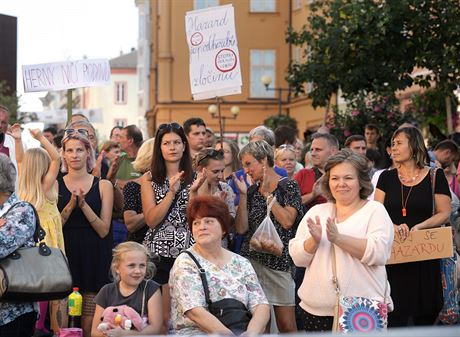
(381, 111)
(434, 28)
(273, 122)
(430, 106)
(9, 100)
(351, 45)
(373, 46)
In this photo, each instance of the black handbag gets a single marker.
(229, 311)
(38, 273)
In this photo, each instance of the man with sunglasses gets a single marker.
(195, 131)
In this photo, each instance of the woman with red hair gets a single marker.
(228, 275)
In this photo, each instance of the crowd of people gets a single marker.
(124, 212)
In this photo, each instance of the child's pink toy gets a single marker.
(121, 316)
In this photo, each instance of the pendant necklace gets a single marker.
(404, 201)
(408, 180)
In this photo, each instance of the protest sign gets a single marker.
(427, 244)
(214, 60)
(65, 75)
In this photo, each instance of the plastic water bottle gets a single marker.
(75, 308)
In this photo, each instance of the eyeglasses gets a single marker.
(84, 132)
(211, 153)
(170, 126)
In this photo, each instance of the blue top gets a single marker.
(279, 170)
(17, 231)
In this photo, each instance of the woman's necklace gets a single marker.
(404, 201)
(409, 180)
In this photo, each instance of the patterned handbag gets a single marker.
(357, 314)
(450, 311)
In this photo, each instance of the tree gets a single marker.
(273, 122)
(383, 112)
(374, 46)
(351, 45)
(9, 100)
(435, 31)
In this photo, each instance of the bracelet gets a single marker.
(95, 218)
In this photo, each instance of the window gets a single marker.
(262, 6)
(296, 4)
(262, 63)
(297, 54)
(121, 94)
(120, 122)
(199, 4)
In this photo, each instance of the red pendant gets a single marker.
(404, 212)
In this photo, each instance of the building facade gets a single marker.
(260, 26)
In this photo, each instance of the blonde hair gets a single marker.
(35, 165)
(284, 148)
(143, 160)
(126, 247)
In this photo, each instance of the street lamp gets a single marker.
(266, 81)
(213, 110)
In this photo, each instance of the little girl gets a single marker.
(131, 270)
(38, 170)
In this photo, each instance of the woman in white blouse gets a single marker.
(362, 233)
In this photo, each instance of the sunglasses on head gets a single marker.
(84, 132)
(170, 126)
(286, 146)
(212, 153)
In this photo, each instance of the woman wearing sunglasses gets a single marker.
(165, 195)
(285, 157)
(210, 166)
(85, 203)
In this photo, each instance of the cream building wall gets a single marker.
(170, 95)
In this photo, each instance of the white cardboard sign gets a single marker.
(65, 75)
(214, 58)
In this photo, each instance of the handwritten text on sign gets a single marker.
(66, 75)
(427, 244)
(214, 61)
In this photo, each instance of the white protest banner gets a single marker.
(65, 75)
(60, 116)
(214, 59)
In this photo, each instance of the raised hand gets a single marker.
(113, 169)
(36, 133)
(314, 227)
(98, 164)
(80, 197)
(199, 181)
(332, 231)
(15, 131)
(240, 184)
(174, 182)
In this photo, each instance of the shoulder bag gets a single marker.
(357, 314)
(229, 311)
(450, 312)
(38, 273)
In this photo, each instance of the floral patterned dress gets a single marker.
(237, 279)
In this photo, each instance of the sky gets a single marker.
(60, 30)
